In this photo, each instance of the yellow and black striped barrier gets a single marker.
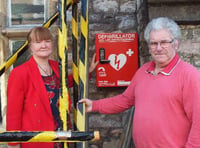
(83, 70)
(75, 71)
(64, 99)
(47, 136)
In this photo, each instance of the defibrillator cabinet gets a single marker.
(117, 54)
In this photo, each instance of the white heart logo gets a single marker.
(117, 61)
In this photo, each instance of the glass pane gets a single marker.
(15, 45)
(27, 12)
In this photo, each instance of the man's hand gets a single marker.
(88, 104)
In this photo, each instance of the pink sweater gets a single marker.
(167, 106)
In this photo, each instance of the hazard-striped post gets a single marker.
(83, 70)
(47, 136)
(75, 59)
(64, 101)
(75, 36)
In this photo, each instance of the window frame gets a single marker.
(9, 11)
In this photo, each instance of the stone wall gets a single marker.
(189, 49)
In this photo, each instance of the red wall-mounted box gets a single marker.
(117, 54)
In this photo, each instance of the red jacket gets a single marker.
(28, 107)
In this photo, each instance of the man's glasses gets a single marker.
(163, 44)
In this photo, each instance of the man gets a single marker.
(165, 93)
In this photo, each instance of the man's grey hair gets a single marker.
(163, 23)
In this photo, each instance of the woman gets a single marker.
(32, 91)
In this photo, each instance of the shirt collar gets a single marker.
(168, 69)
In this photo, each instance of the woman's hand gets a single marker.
(93, 63)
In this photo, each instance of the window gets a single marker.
(26, 12)
(15, 45)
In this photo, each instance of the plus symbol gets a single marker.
(129, 52)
